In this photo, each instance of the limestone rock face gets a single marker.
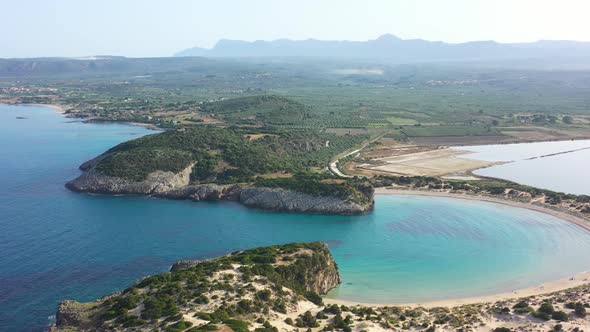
(322, 279)
(93, 181)
(177, 186)
(292, 201)
(74, 313)
(204, 192)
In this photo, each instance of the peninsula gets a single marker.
(272, 172)
(278, 288)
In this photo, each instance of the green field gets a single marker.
(282, 96)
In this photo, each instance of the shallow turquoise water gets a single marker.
(55, 244)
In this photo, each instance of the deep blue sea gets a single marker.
(56, 244)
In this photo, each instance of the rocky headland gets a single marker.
(167, 184)
(225, 293)
(278, 288)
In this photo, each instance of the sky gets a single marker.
(148, 28)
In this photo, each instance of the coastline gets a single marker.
(578, 221)
(57, 108)
(546, 288)
(61, 109)
(579, 279)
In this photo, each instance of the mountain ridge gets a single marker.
(391, 47)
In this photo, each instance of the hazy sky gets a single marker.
(31, 28)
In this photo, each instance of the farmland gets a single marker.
(338, 105)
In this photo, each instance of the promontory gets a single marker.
(278, 172)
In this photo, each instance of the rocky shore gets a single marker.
(178, 186)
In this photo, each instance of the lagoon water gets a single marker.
(560, 166)
(55, 244)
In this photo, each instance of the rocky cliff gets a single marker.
(158, 182)
(177, 186)
(291, 201)
(269, 282)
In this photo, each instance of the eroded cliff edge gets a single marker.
(233, 290)
(279, 172)
(167, 184)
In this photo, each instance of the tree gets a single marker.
(567, 119)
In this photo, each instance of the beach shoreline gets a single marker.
(579, 279)
(545, 288)
(576, 220)
(57, 108)
(61, 109)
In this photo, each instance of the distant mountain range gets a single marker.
(392, 48)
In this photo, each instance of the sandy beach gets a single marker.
(579, 279)
(545, 288)
(579, 221)
(59, 109)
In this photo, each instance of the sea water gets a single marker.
(56, 244)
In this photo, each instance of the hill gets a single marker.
(258, 109)
(208, 295)
(281, 171)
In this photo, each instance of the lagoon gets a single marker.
(561, 166)
(56, 244)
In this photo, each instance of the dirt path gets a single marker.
(333, 167)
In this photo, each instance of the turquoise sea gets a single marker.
(55, 244)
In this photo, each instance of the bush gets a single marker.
(237, 325)
(580, 310)
(263, 295)
(524, 310)
(315, 298)
(321, 315)
(307, 320)
(333, 309)
(547, 308)
(521, 304)
(541, 315)
(179, 326)
(560, 316)
(502, 329)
